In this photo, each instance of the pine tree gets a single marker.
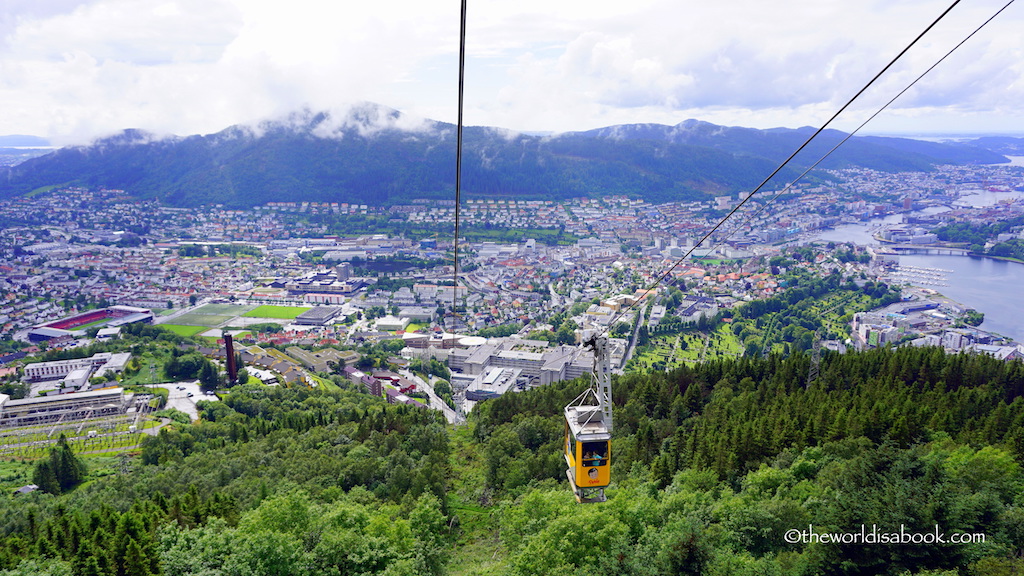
(134, 563)
(45, 477)
(70, 470)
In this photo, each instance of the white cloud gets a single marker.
(71, 70)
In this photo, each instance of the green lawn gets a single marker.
(44, 189)
(14, 474)
(325, 384)
(207, 320)
(729, 342)
(186, 331)
(222, 309)
(688, 348)
(280, 312)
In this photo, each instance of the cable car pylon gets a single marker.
(588, 427)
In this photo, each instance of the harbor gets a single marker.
(917, 275)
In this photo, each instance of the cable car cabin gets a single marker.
(587, 452)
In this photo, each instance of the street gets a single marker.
(435, 402)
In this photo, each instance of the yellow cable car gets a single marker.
(588, 431)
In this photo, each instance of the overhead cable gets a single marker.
(660, 278)
(858, 128)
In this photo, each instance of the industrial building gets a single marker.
(392, 323)
(418, 313)
(63, 407)
(493, 383)
(439, 341)
(318, 315)
(321, 360)
(542, 364)
(98, 364)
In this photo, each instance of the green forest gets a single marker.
(714, 467)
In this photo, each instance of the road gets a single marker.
(556, 298)
(435, 402)
(632, 339)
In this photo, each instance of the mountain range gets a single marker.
(378, 156)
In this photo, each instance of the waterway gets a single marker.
(989, 286)
(982, 198)
(1014, 161)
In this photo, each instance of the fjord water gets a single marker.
(989, 286)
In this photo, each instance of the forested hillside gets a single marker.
(714, 466)
(375, 156)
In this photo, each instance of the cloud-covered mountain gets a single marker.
(375, 155)
(776, 144)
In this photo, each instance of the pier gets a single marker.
(922, 249)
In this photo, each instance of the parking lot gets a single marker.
(184, 395)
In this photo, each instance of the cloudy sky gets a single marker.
(72, 70)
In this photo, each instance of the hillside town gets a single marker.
(551, 268)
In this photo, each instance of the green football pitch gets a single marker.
(222, 309)
(279, 312)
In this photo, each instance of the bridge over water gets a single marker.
(921, 249)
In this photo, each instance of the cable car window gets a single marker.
(595, 453)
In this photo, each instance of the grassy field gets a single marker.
(44, 189)
(14, 474)
(671, 350)
(478, 552)
(186, 331)
(728, 343)
(207, 320)
(325, 384)
(222, 309)
(280, 312)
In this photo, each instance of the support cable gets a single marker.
(458, 158)
(858, 128)
(721, 222)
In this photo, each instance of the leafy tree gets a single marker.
(500, 331)
(974, 318)
(209, 376)
(620, 329)
(429, 527)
